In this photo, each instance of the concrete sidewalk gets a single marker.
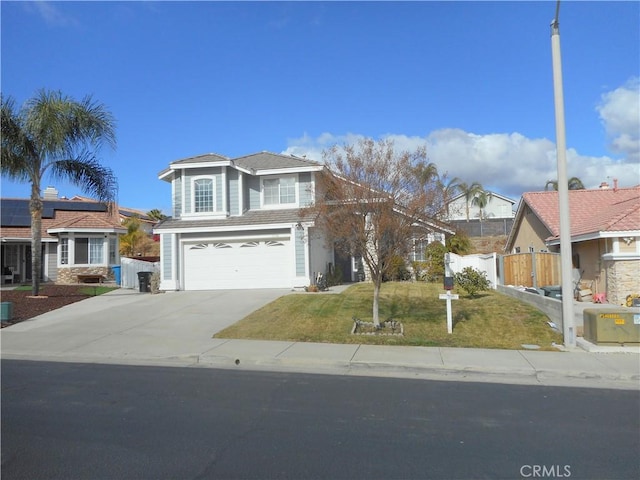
(175, 329)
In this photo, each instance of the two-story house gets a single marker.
(237, 224)
(498, 206)
(494, 218)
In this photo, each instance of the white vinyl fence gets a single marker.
(130, 268)
(485, 262)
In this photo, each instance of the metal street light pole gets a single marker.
(563, 188)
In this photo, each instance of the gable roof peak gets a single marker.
(265, 161)
(202, 158)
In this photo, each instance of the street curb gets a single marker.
(541, 377)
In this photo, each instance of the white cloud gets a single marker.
(508, 163)
(51, 13)
(619, 112)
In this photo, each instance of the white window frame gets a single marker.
(72, 243)
(214, 206)
(418, 249)
(296, 199)
(63, 251)
(112, 258)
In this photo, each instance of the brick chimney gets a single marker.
(615, 184)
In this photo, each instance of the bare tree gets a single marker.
(371, 203)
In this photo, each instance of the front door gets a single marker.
(343, 262)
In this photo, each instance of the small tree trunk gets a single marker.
(35, 209)
(376, 302)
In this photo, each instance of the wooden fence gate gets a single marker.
(533, 269)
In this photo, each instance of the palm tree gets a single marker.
(574, 183)
(156, 215)
(129, 243)
(449, 189)
(469, 192)
(481, 200)
(426, 172)
(56, 135)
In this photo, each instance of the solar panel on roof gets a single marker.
(14, 212)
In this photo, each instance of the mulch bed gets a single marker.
(50, 297)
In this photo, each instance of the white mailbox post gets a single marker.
(448, 297)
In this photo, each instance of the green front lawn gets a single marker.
(491, 320)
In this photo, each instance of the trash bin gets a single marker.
(116, 274)
(6, 311)
(144, 279)
(553, 291)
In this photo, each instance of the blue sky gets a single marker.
(471, 80)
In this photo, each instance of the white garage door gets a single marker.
(230, 265)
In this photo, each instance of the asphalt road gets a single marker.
(82, 421)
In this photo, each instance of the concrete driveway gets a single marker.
(126, 324)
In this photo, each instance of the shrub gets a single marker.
(334, 277)
(472, 280)
(459, 243)
(397, 270)
(434, 262)
(419, 270)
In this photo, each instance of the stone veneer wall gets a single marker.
(68, 275)
(622, 280)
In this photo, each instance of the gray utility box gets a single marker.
(612, 325)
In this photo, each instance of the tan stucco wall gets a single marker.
(530, 234)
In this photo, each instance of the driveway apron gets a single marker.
(126, 324)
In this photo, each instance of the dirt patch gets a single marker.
(488, 244)
(50, 297)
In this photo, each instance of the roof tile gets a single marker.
(591, 211)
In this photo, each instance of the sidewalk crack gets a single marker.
(354, 354)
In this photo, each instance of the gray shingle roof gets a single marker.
(251, 217)
(270, 161)
(204, 158)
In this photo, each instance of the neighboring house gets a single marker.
(78, 238)
(497, 216)
(498, 206)
(605, 235)
(146, 223)
(237, 224)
